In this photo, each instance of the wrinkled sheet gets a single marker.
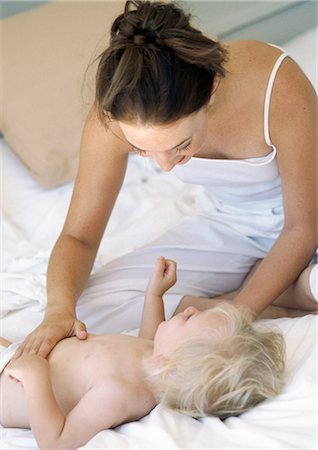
(149, 204)
(31, 220)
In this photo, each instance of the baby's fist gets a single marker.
(163, 277)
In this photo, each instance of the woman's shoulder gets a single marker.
(252, 56)
(252, 62)
(251, 46)
(258, 57)
(104, 133)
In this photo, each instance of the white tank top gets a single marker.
(244, 181)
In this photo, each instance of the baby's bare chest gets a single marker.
(77, 366)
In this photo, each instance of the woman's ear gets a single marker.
(215, 85)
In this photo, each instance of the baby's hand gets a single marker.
(26, 366)
(163, 277)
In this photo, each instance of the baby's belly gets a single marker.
(68, 373)
(75, 366)
(67, 387)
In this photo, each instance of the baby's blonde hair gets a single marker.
(225, 376)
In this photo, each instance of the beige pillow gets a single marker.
(46, 91)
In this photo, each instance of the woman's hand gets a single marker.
(25, 367)
(163, 277)
(53, 329)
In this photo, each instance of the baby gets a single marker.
(211, 362)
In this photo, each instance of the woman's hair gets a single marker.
(157, 68)
(225, 376)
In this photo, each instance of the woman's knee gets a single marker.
(300, 294)
(308, 282)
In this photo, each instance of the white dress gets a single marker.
(241, 217)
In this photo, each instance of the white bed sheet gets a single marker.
(150, 203)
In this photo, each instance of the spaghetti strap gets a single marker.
(276, 46)
(268, 94)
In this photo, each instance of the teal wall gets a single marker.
(270, 21)
(12, 7)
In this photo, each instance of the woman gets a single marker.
(239, 119)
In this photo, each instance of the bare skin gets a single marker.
(231, 128)
(99, 381)
(296, 301)
(108, 362)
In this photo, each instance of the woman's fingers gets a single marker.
(27, 346)
(43, 339)
(35, 345)
(80, 330)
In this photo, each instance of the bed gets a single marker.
(32, 217)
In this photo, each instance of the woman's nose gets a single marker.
(165, 162)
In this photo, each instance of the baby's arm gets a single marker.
(45, 417)
(162, 279)
(101, 407)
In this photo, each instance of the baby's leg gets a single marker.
(4, 342)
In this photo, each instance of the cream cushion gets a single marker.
(46, 89)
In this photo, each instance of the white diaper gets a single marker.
(6, 354)
(313, 281)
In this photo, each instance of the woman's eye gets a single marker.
(184, 149)
(145, 153)
(140, 152)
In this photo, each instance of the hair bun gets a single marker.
(158, 68)
(143, 36)
(145, 22)
(135, 33)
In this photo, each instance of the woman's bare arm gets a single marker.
(293, 129)
(100, 176)
(271, 312)
(103, 161)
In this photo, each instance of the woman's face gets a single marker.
(168, 145)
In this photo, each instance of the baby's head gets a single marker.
(221, 364)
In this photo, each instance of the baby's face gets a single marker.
(188, 324)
